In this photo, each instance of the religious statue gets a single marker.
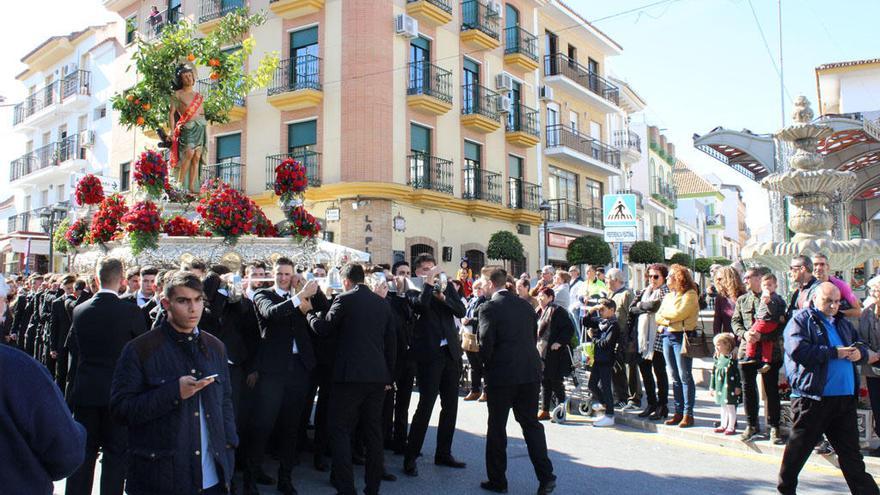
(188, 129)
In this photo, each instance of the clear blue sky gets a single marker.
(702, 63)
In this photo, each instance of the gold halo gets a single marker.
(231, 260)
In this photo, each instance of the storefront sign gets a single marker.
(559, 240)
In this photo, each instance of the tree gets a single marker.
(589, 249)
(505, 245)
(703, 264)
(645, 252)
(683, 259)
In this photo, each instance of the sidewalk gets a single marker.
(705, 414)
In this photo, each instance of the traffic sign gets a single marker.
(619, 218)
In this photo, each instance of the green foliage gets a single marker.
(703, 264)
(589, 249)
(147, 104)
(58, 240)
(505, 245)
(681, 259)
(645, 252)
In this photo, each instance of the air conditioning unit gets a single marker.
(495, 7)
(406, 25)
(546, 93)
(87, 138)
(504, 81)
(503, 104)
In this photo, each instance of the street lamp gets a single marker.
(48, 218)
(693, 244)
(545, 208)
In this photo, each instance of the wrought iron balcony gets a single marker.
(228, 172)
(151, 27)
(215, 9)
(40, 99)
(294, 74)
(564, 210)
(50, 155)
(428, 79)
(479, 100)
(430, 172)
(309, 159)
(664, 193)
(518, 40)
(441, 4)
(562, 135)
(523, 119)
(205, 85)
(481, 184)
(523, 195)
(560, 65)
(476, 15)
(75, 83)
(626, 139)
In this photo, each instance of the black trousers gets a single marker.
(836, 418)
(324, 382)
(236, 381)
(873, 384)
(282, 398)
(523, 400)
(406, 373)
(600, 386)
(550, 386)
(356, 405)
(658, 395)
(112, 439)
(625, 381)
(751, 395)
(476, 371)
(61, 370)
(437, 377)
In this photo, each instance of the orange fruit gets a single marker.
(214, 62)
(140, 121)
(130, 97)
(191, 57)
(146, 106)
(215, 75)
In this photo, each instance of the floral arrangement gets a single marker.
(142, 222)
(262, 226)
(225, 211)
(89, 191)
(290, 180)
(58, 240)
(302, 224)
(151, 173)
(179, 226)
(105, 225)
(77, 233)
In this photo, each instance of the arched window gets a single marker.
(418, 249)
(476, 260)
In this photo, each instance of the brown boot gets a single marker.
(484, 397)
(686, 421)
(472, 396)
(674, 420)
(543, 415)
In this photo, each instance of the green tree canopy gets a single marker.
(681, 259)
(645, 252)
(589, 249)
(505, 245)
(703, 264)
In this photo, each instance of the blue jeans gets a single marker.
(683, 389)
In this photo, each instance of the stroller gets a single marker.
(576, 407)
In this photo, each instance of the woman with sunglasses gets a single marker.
(652, 364)
(730, 286)
(676, 316)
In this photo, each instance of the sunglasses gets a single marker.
(796, 267)
(654, 277)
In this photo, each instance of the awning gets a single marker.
(20, 245)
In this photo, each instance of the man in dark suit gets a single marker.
(101, 327)
(508, 330)
(437, 352)
(27, 333)
(146, 291)
(59, 327)
(281, 374)
(362, 372)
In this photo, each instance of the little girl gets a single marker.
(724, 383)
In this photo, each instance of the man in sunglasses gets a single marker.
(801, 275)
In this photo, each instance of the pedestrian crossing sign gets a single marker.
(619, 210)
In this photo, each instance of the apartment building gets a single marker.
(66, 122)
(701, 205)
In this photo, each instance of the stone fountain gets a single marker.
(811, 188)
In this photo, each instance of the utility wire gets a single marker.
(767, 47)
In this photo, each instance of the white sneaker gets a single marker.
(605, 420)
(597, 406)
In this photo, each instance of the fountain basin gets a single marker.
(801, 183)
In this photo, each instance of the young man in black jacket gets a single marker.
(605, 332)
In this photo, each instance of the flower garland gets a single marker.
(178, 226)
(290, 180)
(105, 225)
(302, 224)
(151, 173)
(89, 191)
(225, 211)
(77, 234)
(142, 222)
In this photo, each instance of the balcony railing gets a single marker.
(441, 4)
(11, 224)
(294, 74)
(560, 65)
(518, 40)
(426, 78)
(664, 193)
(626, 139)
(563, 210)
(228, 172)
(203, 86)
(481, 184)
(430, 172)
(309, 159)
(46, 156)
(215, 9)
(475, 14)
(75, 83)
(476, 99)
(523, 119)
(153, 24)
(523, 195)
(562, 135)
(23, 222)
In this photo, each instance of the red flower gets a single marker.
(106, 223)
(290, 179)
(77, 232)
(182, 227)
(89, 191)
(305, 226)
(151, 173)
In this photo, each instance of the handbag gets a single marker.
(469, 342)
(696, 345)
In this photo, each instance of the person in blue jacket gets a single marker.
(821, 353)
